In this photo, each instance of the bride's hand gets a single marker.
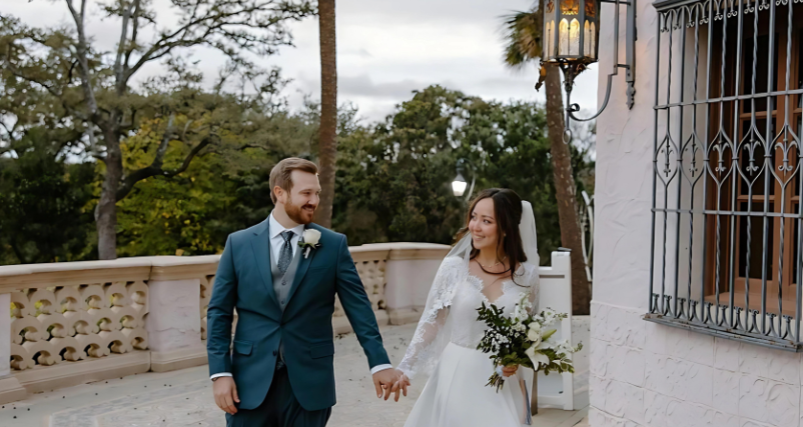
(400, 385)
(509, 370)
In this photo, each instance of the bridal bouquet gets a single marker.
(523, 339)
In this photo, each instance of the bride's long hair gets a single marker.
(507, 210)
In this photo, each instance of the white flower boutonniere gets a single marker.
(310, 240)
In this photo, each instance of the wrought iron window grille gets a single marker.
(727, 180)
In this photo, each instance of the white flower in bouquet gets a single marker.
(535, 337)
(523, 308)
(549, 317)
(537, 358)
(534, 330)
(563, 347)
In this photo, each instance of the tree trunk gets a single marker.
(327, 146)
(106, 216)
(570, 231)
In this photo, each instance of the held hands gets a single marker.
(390, 381)
(225, 392)
(401, 384)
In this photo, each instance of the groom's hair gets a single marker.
(280, 175)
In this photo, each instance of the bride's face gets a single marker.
(482, 225)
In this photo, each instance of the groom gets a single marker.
(282, 276)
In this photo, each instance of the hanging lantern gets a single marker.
(571, 41)
(571, 31)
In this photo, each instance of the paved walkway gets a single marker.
(184, 398)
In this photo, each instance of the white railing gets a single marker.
(63, 324)
(78, 322)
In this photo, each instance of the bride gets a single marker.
(495, 262)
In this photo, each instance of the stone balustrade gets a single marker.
(77, 322)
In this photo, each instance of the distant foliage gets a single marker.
(393, 180)
(394, 177)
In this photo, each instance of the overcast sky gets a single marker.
(386, 49)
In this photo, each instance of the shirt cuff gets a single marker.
(379, 368)
(222, 374)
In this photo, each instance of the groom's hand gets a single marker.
(226, 394)
(384, 381)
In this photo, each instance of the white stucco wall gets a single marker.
(643, 374)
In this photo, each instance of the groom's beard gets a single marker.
(300, 214)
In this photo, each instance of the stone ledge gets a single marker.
(182, 268)
(66, 374)
(399, 251)
(11, 390)
(165, 361)
(14, 277)
(11, 281)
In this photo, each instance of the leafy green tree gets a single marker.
(95, 87)
(218, 194)
(394, 178)
(46, 204)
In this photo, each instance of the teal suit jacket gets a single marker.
(244, 282)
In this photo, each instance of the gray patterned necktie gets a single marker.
(286, 255)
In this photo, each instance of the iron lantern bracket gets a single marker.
(572, 69)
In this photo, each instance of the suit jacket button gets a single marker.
(275, 353)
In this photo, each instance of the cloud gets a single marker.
(364, 86)
(361, 53)
(386, 50)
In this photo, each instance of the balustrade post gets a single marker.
(411, 268)
(173, 325)
(10, 388)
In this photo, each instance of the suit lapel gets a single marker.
(260, 242)
(303, 266)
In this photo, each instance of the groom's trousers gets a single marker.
(279, 409)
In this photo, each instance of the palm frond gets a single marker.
(523, 37)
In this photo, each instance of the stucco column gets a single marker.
(411, 268)
(10, 388)
(174, 324)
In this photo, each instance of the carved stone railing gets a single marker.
(63, 324)
(72, 323)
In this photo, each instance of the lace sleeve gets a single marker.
(432, 333)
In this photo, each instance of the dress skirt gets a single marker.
(456, 395)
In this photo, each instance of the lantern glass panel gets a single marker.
(564, 37)
(574, 38)
(549, 40)
(550, 28)
(590, 39)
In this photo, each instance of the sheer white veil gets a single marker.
(529, 237)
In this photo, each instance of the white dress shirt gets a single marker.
(276, 243)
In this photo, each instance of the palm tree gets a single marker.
(523, 34)
(327, 144)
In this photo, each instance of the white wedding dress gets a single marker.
(445, 348)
